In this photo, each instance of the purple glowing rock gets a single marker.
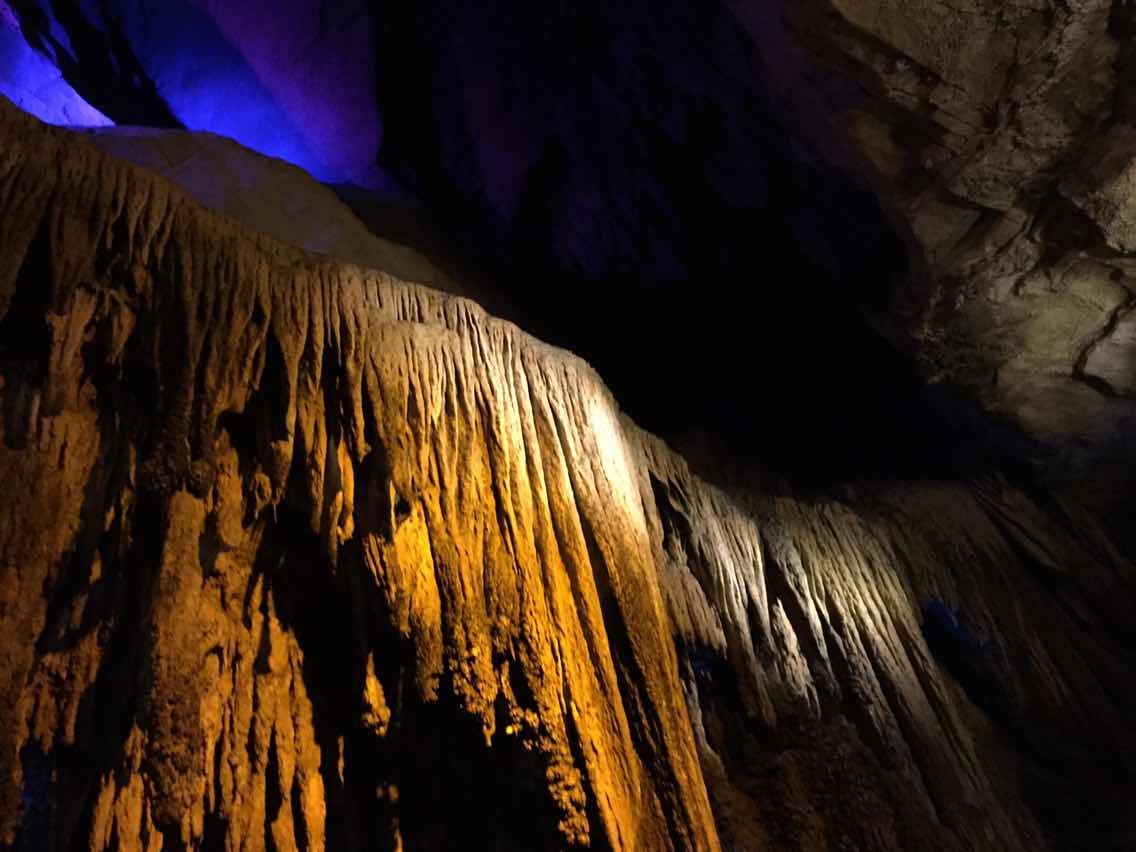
(294, 80)
(35, 84)
(316, 64)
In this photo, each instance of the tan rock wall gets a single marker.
(296, 555)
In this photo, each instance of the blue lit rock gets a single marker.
(33, 82)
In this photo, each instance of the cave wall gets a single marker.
(297, 555)
(294, 81)
(35, 84)
(565, 157)
(999, 135)
(766, 153)
(271, 197)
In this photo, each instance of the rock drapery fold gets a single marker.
(297, 555)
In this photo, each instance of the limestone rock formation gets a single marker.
(269, 196)
(35, 84)
(590, 171)
(289, 79)
(297, 555)
(1001, 135)
(733, 147)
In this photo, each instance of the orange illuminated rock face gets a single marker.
(296, 555)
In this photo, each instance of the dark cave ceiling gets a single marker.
(621, 179)
(687, 195)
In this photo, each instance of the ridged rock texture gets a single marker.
(269, 196)
(296, 555)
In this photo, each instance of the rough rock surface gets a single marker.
(573, 157)
(1002, 135)
(269, 196)
(606, 158)
(295, 555)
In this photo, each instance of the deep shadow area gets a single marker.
(432, 780)
(429, 779)
(622, 183)
(1076, 787)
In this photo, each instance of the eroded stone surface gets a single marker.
(1001, 133)
(298, 555)
(269, 196)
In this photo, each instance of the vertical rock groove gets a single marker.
(296, 555)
